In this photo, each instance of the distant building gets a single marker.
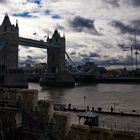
(88, 67)
(34, 73)
(38, 68)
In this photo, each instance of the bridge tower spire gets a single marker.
(17, 24)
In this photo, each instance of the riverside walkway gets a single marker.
(120, 119)
(100, 110)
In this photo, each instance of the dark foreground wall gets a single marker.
(84, 133)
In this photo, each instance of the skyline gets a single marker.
(95, 31)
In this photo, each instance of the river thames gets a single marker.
(122, 96)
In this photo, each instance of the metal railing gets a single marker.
(119, 127)
(104, 124)
(100, 109)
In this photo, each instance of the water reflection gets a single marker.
(122, 95)
(56, 95)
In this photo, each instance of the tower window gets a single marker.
(56, 40)
(5, 28)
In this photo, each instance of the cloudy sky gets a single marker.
(95, 30)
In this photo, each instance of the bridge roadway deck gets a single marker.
(36, 43)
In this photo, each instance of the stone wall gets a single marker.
(55, 123)
(17, 121)
(30, 98)
(27, 98)
(8, 123)
(60, 125)
(59, 128)
(79, 132)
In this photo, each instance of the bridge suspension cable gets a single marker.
(75, 70)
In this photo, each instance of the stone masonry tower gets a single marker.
(56, 74)
(8, 44)
(56, 56)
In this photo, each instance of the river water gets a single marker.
(122, 96)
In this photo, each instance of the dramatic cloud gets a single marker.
(123, 28)
(136, 2)
(90, 55)
(3, 1)
(95, 30)
(124, 46)
(115, 3)
(82, 24)
(136, 24)
(35, 1)
(24, 14)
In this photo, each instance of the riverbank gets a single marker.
(121, 80)
(33, 118)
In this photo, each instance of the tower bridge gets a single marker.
(9, 41)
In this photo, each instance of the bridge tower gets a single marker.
(8, 44)
(56, 56)
(56, 74)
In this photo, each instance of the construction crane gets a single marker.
(136, 53)
(130, 49)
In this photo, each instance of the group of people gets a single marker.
(99, 108)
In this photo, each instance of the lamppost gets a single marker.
(114, 105)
